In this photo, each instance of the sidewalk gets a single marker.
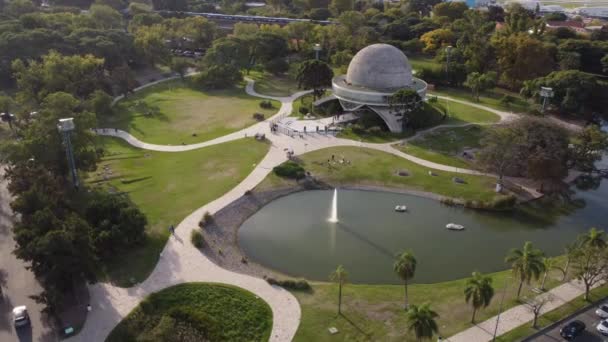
(519, 315)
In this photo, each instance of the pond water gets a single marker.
(293, 235)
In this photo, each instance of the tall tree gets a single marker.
(574, 91)
(315, 75)
(521, 57)
(404, 103)
(526, 264)
(405, 268)
(590, 264)
(594, 238)
(588, 146)
(339, 276)
(548, 264)
(76, 75)
(477, 82)
(421, 320)
(479, 292)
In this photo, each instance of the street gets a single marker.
(589, 335)
(17, 285)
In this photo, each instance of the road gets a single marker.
(590, 335)
(17, 285)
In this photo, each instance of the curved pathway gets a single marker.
(181, 262)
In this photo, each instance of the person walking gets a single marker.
(172, 230)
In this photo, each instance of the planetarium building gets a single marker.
(374, 74)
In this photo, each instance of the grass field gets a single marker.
(273, 85)
(490, 99)
(459, 113)
(555, 315)
(377, 168)
(167, 187)
(179, 113)
(423, 62)
(444, 145)
(231, 313)
(375, 312)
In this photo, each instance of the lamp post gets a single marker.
(448, 50)
(317, 48)
(66, 126)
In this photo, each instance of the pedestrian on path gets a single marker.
(172, 230)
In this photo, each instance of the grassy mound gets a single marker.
(175, 112)
(197, 312)
(167, 187)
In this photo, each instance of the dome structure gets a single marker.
(374, 75)
(380, 67)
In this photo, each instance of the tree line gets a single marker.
(584, 260)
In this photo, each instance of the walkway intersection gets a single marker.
(110, 304)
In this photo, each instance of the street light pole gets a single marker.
(66, 126)
(546, 93)
(448, 49)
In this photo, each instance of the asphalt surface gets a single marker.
(589, 335)
(17, 285)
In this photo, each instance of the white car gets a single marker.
(602, 311)
(602, 327)
(20, 316)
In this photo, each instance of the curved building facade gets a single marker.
(374, 74)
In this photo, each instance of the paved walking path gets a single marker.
(521, 314)
(181, 262)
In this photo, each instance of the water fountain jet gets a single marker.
(334, 208)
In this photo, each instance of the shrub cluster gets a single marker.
(501, 203)
(197, 239)
(206, 220)
(297, 285)
(289, 169)
(266, 104)
(258, 116)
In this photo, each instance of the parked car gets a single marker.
(20, 316)
(602, 311)
(571, 330)
(602, 327)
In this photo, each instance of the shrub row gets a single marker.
(289, 169)
(296, 285)
(197, 239)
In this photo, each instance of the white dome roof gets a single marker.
(380, 67)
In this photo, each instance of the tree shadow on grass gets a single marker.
(354, 325)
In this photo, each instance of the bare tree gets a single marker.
(535, 305)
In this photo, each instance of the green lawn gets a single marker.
(459, 113)
(490, 99)
(423, 62)
(273, 85)
(555, 315)
(229, 313)
(445, 145)
(377, 168)
(167, 187)
(375, 312)
(180, 113)
(374, 137)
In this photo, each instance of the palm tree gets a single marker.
(526, 263)
(548, 264)
(339, 276)
(479, 292)
(421, 320)
(570, 249)
(594, 238)
(405, 267)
